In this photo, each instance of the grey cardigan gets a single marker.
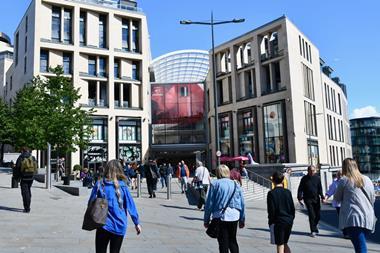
(356, 210)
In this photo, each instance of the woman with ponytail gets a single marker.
(120, 203)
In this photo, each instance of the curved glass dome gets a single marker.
(183, 66)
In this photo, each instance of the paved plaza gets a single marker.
(54, 226)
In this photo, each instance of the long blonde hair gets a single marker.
(114, 172)
(350, 169)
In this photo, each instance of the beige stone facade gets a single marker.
(104, 48)
(272, 101)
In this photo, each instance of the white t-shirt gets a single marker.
(202, 174)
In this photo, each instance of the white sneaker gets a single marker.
(313, 234)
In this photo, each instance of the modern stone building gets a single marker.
(178, 130)
(277, 100)
(6, 59)
(104, 48)
(365, 134)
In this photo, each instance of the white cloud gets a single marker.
(368, 111)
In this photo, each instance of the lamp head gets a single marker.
(241, 20)
(185, 22)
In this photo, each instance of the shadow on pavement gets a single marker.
(293, 232)
(11, 209)
(191, 218)
(179, 207)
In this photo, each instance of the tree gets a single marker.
(47, 111)
(6, 128)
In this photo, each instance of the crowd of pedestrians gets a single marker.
(352, 194)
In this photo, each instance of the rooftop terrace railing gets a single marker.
(121, 5)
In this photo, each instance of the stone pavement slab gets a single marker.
(54, 226)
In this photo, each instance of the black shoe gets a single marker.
(183, 192)
(154, 195)
(150, 196)
(26, 211)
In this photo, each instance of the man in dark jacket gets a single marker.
(310, 191)
(26, 168)
(152, 174)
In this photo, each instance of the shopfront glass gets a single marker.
(274, 139)
(129, 139)
(225, 124)
(96, 154)
(247, 133)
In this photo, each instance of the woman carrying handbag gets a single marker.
(357, 196)
(225, 203)
(120, 203)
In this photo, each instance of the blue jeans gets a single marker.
(358, 238)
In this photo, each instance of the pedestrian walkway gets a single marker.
(169, 226)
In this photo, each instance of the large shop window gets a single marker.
(274, 139)
(225, 124)
(96, 154)
(129, 138)
(247, 133)
(178, 119)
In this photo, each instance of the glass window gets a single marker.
(67, 26)
(125, 34)
(130, 153)
(92, 65)
(16, 45)
(135, 37)
(183, 91)
(310, 119)
(135, 71)
(247, 133)
(102, 31)
(82, 28)
(99, 132)
(56, 24)
(225, 134)
(25, 64)
(130, 130)
(67, 63)
(102, 66)
(44, 61)
(116, 69)
(274, 139)
(26, 44)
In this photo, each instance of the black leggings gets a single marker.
(227, 237)
(104, 237)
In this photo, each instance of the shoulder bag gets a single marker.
(374, 214)
(97, 210)
(214, 227)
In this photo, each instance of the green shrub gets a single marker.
(77, 167)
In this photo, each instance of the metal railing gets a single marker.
(253, 176)
(112, 4)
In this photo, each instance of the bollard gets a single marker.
(138, 185)
(169, 187)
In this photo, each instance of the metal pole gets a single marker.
(217, 146)
(48, 168)
(169, 187)
(138, 185)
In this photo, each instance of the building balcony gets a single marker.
(100, 75)
(272, 55)
(121, 104)
(127, 5)
(91, 102)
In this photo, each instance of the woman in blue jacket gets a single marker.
(221, 191)
(120, 202)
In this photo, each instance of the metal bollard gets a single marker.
(138, 185)
(169, 187)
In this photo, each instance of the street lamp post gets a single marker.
(212, 23)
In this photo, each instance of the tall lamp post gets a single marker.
(212, 23)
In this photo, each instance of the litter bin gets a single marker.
(66, 180)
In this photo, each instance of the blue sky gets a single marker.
(347, 33)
